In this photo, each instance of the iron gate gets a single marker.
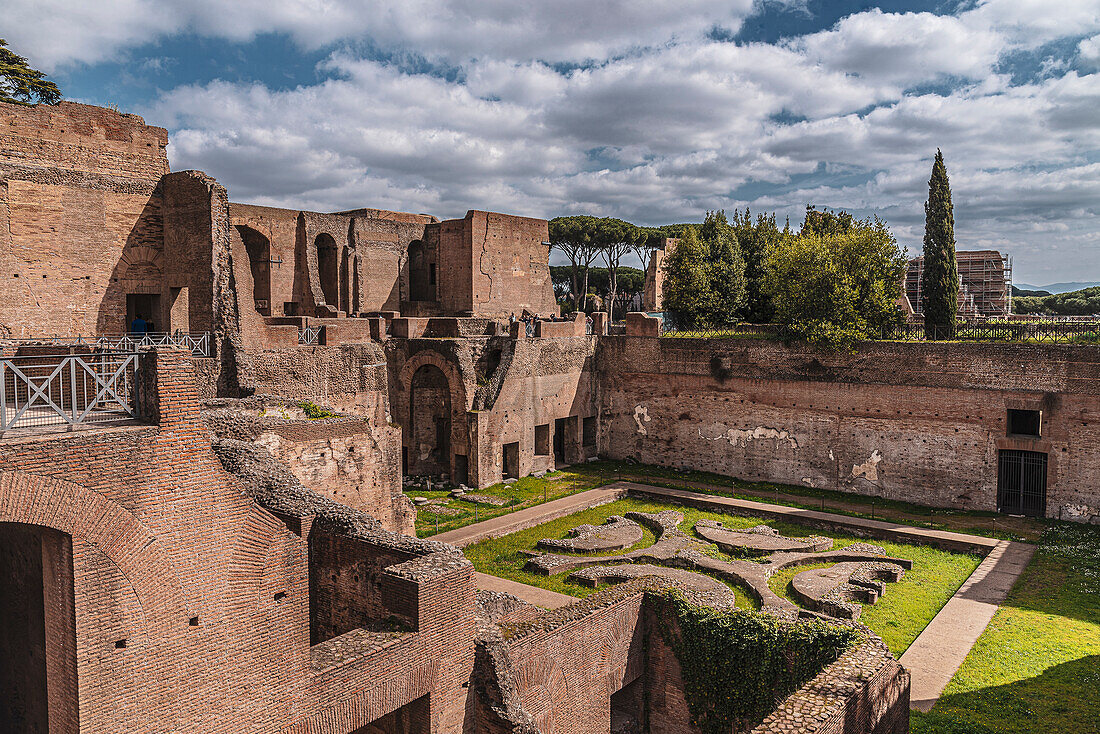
(1022, 483)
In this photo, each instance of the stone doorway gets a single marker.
(146, 304)
(1022, 483)
(38, 683)
(429, 443)
(511, 460)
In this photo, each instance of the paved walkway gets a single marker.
(531, 516)
(936, 655)
(530, 594)
(932, 659)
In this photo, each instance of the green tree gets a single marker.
(614, 238)
(687, 295)
(757, 239)
(835, 289)
(726, 269)
(575, 237)
(940, 278)
(705, 275)
(21, 84)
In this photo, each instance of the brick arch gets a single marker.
(85, 514)
(454, 376)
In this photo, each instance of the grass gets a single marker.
(531, 491)
(1036, 668)
(520, 494)
(974, 522)
(905, 609)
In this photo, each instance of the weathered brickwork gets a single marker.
(921, 423)
(192, 602)
(503, 407)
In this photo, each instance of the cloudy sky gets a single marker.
(650, 110)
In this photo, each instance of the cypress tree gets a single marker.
(940, 279)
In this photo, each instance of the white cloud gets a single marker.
(903, 47)
(59, 32)
(661, 125)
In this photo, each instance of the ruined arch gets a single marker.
(143, 573)
(427, 417)
(328, 267)
(258, 247)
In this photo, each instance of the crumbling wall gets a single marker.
(80, 218)
(914, 422)
(494, 265)
(344, 458)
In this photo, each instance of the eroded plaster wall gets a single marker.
(917, 422)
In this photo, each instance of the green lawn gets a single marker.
(455, 513)
(432, 519)
(899, 617)
(1036, 668)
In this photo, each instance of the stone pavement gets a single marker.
(530, 594)
(531, 516)
(934, 656)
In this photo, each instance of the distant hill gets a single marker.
(1084, 302)
(1027, 293)
(1056, 288)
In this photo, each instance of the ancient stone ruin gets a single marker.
(203, 528)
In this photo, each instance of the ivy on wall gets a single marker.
(738, 665)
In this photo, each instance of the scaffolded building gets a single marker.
(985, 283)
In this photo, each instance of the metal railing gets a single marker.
(978, 330)
(309, 335)
(669, 328)
(58, 390)
(999, 330)
(198, 343)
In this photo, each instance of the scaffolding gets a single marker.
(985, 283)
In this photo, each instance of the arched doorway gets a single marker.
(258, 248)
(429, 422)
(327, 268)
(38, 682)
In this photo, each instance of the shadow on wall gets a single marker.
(137, 282)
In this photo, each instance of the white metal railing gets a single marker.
(58, 390)
(309, 335)
(198, 343)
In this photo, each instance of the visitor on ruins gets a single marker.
(138, 325)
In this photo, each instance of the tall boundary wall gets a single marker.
(916, 422)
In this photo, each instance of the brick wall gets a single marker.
(80, 217)
(500, 389)
(208, 593)
(494, 265)
(916, 422)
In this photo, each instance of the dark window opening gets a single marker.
(1024, 422)
(431, 273)
(588, 431)
(1022, 483)
(542, 440)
